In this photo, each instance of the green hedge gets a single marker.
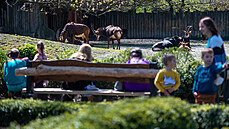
(3, 59)
(23, 111)
(211, 116)
(162, 113)
(137, 113)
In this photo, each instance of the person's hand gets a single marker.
(92, 58)
(216, 78)
(225, 66)
(166, 93)
(170, 90)
(195, 94)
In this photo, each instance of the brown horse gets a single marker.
(75, 30)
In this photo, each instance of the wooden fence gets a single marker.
(159, 25)
(2, 18)
(144, 25)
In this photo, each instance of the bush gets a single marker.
(135, 113)
(27, 51)
(211, 116)
(24, 111)
(3, 59)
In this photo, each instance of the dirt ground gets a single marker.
(146, 44)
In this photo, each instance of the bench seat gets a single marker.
(104, 92)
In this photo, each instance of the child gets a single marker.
(14, 83)
(167, 79)
(204, 87)
(136, 58)
(40, 49)
(40, 56)
(84, 54)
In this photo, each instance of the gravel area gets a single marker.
(146, 44)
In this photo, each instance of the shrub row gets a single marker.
(211, 116)
(128, 113)
(134, 113)
(23, 111)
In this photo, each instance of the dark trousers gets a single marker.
(162, 94)
(221, 88)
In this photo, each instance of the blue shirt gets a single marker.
(9, 74)
(204, 79)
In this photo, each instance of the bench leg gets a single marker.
(29, 85)
(29, 88)
(153, 89)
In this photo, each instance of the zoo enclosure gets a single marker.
(134, 25)
(159, 25)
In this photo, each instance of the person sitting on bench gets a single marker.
(14, 83)
(84, 53)
(136, 58)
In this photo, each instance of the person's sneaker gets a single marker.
(91, 87)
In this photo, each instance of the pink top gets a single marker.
(40, 56)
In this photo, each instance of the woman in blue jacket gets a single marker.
(210, 32)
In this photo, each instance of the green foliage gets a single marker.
(24, 111)
(211, 116)
(27, 51)
(187, 78)
(3, 59)
(101, 7)
(137, 113)
(181, 5)
(121, 57)
(183, 57)
(186, 67)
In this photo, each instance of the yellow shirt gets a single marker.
(166, 80)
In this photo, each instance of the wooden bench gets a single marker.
(74, 70)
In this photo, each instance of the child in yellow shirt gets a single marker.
(167, 80)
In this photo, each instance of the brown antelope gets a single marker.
(111, 32)
(185, 46)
